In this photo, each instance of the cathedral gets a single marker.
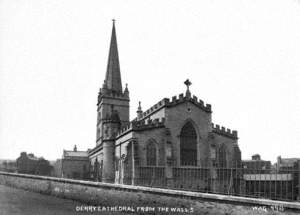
(173, 138)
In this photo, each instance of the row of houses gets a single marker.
(280, 181)
(255, 177)
(73, 164)
(27, 163)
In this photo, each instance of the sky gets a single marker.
(242, 57)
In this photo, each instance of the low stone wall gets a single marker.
(106, 196)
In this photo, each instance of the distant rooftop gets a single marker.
(288, 161)
(268, 177)
(255, 161)
(75, 153)
(30, 156)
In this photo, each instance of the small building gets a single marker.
(30, 164)
(281, 183)
(26, 163)
(286, 164)
(8, 166)
(256, 165)
(57, 168)
(74, 164)
(278, 186)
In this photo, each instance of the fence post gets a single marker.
(133, 166)
(298, 182)
(213, 184)
(169, 175)
(135, 162)
(169, 164)
(169, 172)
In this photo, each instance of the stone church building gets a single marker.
(172, 144)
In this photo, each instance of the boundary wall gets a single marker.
(111, 195)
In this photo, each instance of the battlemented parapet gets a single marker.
(224, 131)
(142, 125)
(181, 98)
(162, 103)
(166, 102)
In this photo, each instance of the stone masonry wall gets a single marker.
(177, 116)
(71, 167)
(102, 194)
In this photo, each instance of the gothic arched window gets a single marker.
(222, 162)
(151, 154)
(188, 145)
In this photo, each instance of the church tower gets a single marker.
(112, 109)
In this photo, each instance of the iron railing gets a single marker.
(258, 183)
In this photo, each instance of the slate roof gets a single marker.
(75, 153)
(288, 162)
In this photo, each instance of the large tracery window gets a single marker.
(188, 145)
(151, 154)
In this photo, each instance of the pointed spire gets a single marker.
(113, 75)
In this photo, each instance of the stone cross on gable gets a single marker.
(188, 84)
